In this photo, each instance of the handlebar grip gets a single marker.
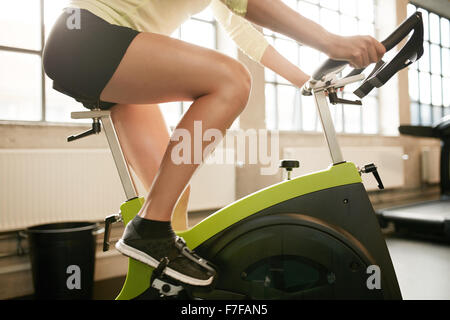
(390, 42)
(402, 31)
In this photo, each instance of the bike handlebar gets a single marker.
(390, 42)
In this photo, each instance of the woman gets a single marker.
(121, 58)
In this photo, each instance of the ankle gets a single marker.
(149, 228)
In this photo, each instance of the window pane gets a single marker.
(366, 10)
(20, 85)
(289, 49)
(20, 24)
(349, 26)
(352, 116)
(445, 62)
(425, 96)
(52, 10)
(437, 114)
(436, 92)
(205, 14)
(309, 119)
(425, 23)
(291, 3)
(58, 106)
(309, 59)
(410, 8)
(445, 32)
(415, 114)
(446, 111)
(171, 112)
(297, 111)
(309, 10)
(332, 4)
(199, 33)
(370, 115)
(269, 75)
(413, 84)
(435, 59)
(186, 105)
(425, 114)
(285, 97)
(349, 7)
(366, 28)
(329, 19)
(446, 91)
(424, 62)
(271, 108)
(434, 28)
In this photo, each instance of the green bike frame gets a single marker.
(139, 274)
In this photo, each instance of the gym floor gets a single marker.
(422, 268)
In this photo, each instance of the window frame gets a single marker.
(430, 72)
(43, 86)
(40, 54)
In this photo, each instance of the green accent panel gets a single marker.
(139, 274)
(338, 175)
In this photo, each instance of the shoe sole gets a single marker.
(148, 260)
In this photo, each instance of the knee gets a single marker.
(235, 84)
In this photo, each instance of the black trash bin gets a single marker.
(63, 260)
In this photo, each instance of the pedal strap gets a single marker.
(186, 252)
(160, 268)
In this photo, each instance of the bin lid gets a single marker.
(62, 227)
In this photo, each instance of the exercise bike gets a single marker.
(311, 237)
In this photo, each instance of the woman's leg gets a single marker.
(144, 137)
(159, 69)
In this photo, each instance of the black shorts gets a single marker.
(82, 60)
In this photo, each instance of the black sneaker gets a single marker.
(183, 267)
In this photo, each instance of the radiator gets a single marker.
(53, 185)
(430, 164)
(389, 161)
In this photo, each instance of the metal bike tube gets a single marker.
(328, 126)
(119, 159)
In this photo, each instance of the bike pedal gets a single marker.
(166, 289)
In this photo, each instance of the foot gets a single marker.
(151, 251)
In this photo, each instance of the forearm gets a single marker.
(280, 65)
(359, 51)
(278, 17)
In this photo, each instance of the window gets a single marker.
(27, 93)
(286, 109)
(429, 79)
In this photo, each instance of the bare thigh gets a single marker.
(158, 69)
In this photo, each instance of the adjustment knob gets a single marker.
(289, 165)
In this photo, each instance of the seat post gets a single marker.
(122, 167)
